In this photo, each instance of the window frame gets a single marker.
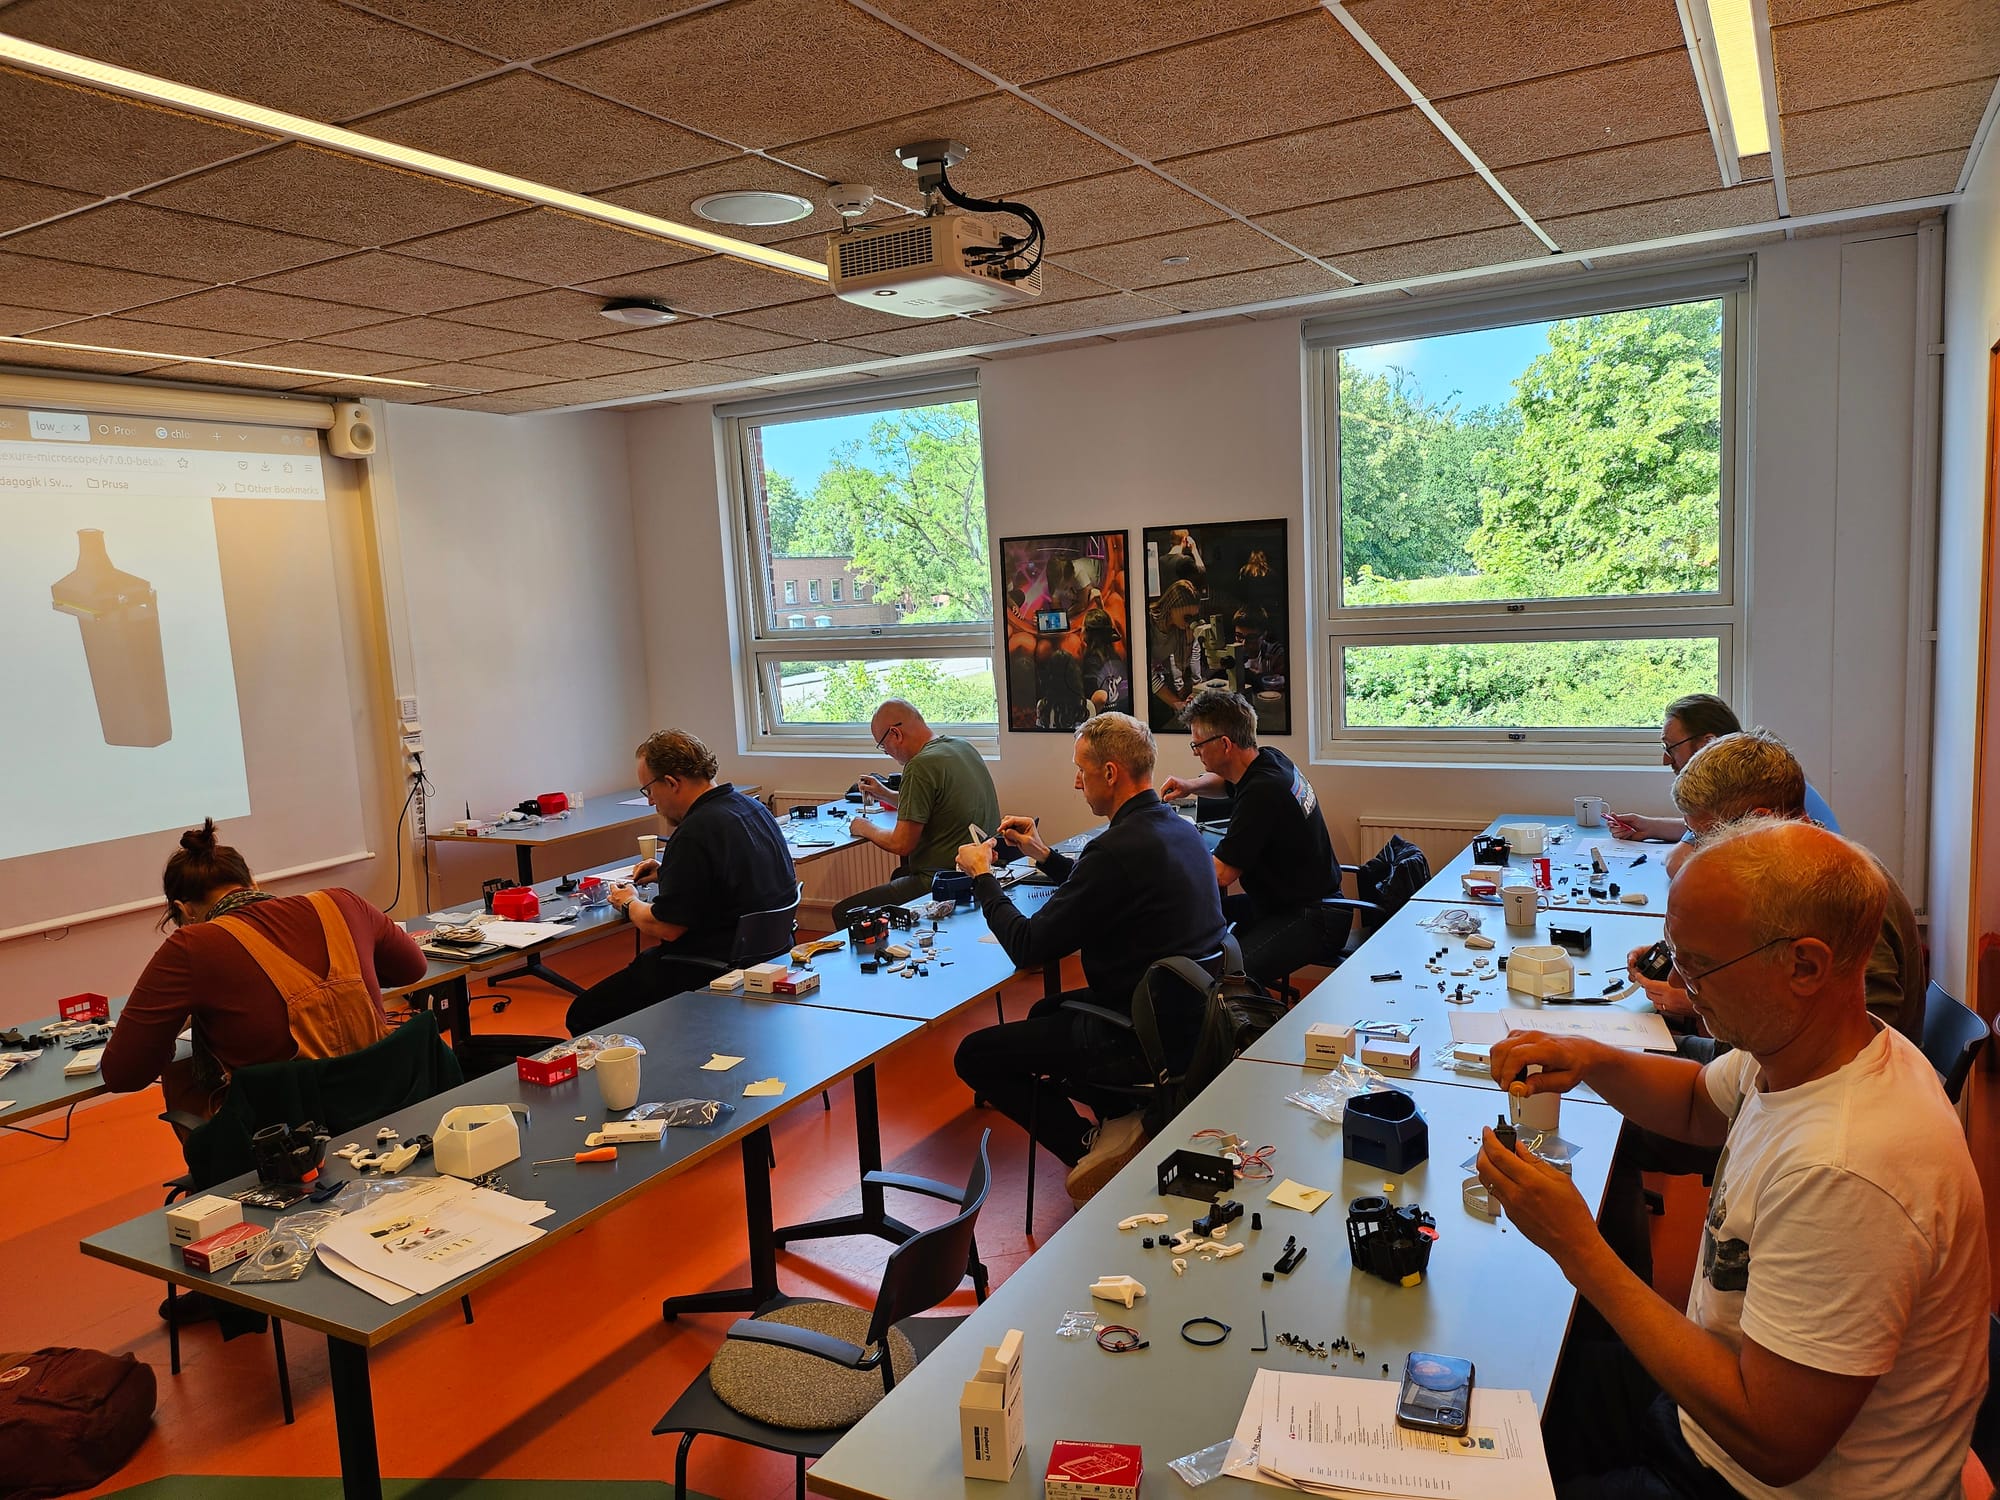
(761, 647)
(1719, 614)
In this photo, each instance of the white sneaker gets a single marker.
(1107, 1149)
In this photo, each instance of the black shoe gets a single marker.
(188, 1307)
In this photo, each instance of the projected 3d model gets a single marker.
(118, 614)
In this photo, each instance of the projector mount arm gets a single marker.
(931, 160)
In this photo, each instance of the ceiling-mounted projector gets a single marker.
(925, 268)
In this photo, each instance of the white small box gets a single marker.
(992, 1421)
(198, 1218)
(1540, 970)
(762, 979)
(724, 984)
(1327, 1043)
(475, 1139)
(1388, 1053)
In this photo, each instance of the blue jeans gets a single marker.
(1612, 1434)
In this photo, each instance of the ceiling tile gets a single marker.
(395, 282)
(504, 124)
(303, 190)
(559, 314)
(673, 196)
(926, 338)
(701, 338)
(1063, 38)
(1213, 250)
(1014, 146)
(1030, 350)
(521, 32)
(227, 375)
(1880, 182)
(508, 404)
(548, 246)
(819, 318)
(796, 357)
(1885, 129)
(1624, 174)
(430, 339)
(66, 136)
(134, 238)
(1640, 99)
(83, 289)
(162, 343)
(1434, 257)
(1168, 330)
(1785, 12)
(265, 315)
(27, 319)
(1867, 226)
(1725, 208)
(686, 377)
(72, 359)
(1088, 312)
(1454, 49)
(713, 71)
(822, 382)
(312, 57)
(1287, 76)
(571, 361)
(29, 202)
(1333, 161)
(1891, 49)
(712, 286)
(1115, 206)
(1456, 206)
(471, 377)
(310, 356)
(1298, 279)
(620, 387)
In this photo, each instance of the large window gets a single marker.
(888, 492)
(1531, 521)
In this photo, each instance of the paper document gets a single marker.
(1637, 1031)
(1625, 849)
(764, 1088)
(1479, 1027)
(6, 1103)
(85, 1062)
(719, 1062)
(434, 1231)
(520, 934)
(1333, 1434)
(633, 802)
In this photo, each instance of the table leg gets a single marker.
(458, 1001)
(354, 1420)
(534, 968)
(873, 1218)
(524, 864)
(763, 1249)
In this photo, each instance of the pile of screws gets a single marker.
(1322, 1350)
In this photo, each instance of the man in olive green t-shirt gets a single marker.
(945, 787)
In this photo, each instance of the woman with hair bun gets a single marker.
(261, 978)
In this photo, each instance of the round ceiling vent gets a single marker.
(752, 208)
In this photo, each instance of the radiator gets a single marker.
(832, 877)
(1441, 839)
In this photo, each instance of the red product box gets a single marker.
(552, 803)
(517, 904)
(1093, 1471)
(796, 982)
(84, 1007)
(225, 1247)
(546, 1070)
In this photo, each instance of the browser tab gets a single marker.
(59, 426)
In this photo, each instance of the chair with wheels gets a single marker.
(1383, 886)
(1953, 1036)
(796, 1375)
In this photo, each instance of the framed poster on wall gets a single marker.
(1068, 628)
(1218, 606)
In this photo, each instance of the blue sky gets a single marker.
(800, 450)
(1480, 366)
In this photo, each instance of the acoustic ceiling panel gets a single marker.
(1088, 312)
(1784, 12)
(1030, 351)
(1299, 278)
(431, 339)
(72, 359)
(1457, 205)
(1879, 182)
(61, 135)
(819, 318)
(263, 315)
(395, 282)
(29, 202)
(572, 361)
(673, 196)
(80, 289)
(713, 71)
(501, 404)
(521, 32)
(928, 338)
(128, 333)
(306, 355)
(1725, 208)
(1668, 168)
(228, 375)
(1382, 151)
(559, 314)
(1115, 206)
(712, 286)
(537, 128)
(794, 358)
(1885, 129)
(1290, 75)
(548, 246)
(700, 338)
(467, 377)
(1456, 49)
(1213, 250)
(1434, 257)
(1638, 99)
(1890, 49)
(303, 190)
(130, 237)
(311, 57)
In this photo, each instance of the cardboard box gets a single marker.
(762, 979)
(237, 1242)
(546, 1068)
(1389, 1054)
(992, 1420)
(1092, 1471)
(84, 1007)
(1327, 1043)
(198, 1218)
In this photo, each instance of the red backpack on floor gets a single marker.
(69, 1418)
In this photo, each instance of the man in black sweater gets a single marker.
(1144, 889)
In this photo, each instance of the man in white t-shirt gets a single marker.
(1834, 1345)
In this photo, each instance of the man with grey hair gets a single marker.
(1835, 1339)
(1144, 889)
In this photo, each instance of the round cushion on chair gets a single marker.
(784, 1388)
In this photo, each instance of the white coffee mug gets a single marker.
(649, 846)
(1589, 811)
(1541, 1113)
(1521, 902)
(618, 1078)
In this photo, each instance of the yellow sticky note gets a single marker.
(764, 1087)
(718, 1063)
(1290, 1194)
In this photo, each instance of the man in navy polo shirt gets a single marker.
(726, 858)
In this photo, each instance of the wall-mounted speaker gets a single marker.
(353, 431)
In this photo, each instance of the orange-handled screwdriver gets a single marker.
(602, 1153)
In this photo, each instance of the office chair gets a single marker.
(1384, 886)
(1953, 1036)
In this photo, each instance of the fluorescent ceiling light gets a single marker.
(198, 359)
(1728, 31)
(135, 85)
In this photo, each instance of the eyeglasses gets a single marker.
(1694, 981)
(1670, 746)
(1195, 745)
(882, 739)
(646, 790)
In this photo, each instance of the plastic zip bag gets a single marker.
(696, 1112)
(1217, 1460)
(1327, 1095)
(289, 1250)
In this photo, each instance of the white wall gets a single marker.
(1971, 329)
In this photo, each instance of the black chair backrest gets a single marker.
(1953, 1036)
(762, 935)
(1397, 872)
(928, 1267)
(1986, 1425)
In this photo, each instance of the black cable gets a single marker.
(400, 816)
(39, 1135)
(1012, 249)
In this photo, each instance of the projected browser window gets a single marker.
(116, 587)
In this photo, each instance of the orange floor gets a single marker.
(569, 1363)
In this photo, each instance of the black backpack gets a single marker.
(1180, 1010)
(1396, 873)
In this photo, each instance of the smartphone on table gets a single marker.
(1436, 1394)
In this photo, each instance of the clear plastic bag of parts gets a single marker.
(1327, 1095)
(289, 1250)
(1226, 1458)
(1549, 1146)
(1080, 1323)
(695, 1112)
(586, 1048)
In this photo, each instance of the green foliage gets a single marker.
(1567, 684)
(850, 691)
